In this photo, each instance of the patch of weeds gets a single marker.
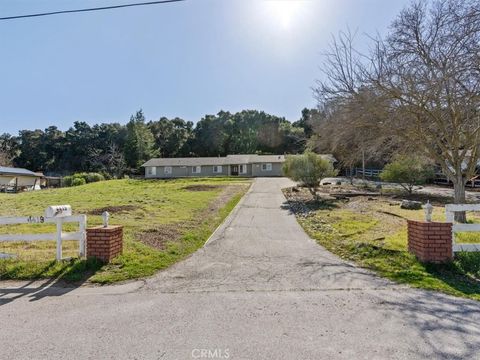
(468, 263)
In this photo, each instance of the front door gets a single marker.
(235, 170)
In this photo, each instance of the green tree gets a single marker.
(80, 140)
(210, 136)
(8, 149)
(308, 169)
(171, 136)
(32, 154)
(139, 145)
(307, 121)
(408, 171)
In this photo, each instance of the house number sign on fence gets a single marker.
(36, 219)
(58, 214)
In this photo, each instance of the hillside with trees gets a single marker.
(115, 149)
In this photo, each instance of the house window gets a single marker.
(151, 170)
(167, 170)
(217, 169)
(243, 169)
(267, 167)
(196, 169)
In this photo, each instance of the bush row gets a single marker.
(82, 179)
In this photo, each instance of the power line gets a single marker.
(89, 9)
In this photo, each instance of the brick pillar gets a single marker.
(104, 243)
(430, 241)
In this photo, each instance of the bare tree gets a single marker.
(349, 127)
(427, 69)
(110, 160)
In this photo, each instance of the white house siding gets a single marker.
(7, 180)
(253, 170)
(276, 170)
(20, 181)
(182, 167)
(185, 171)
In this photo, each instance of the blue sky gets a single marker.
(183, 59)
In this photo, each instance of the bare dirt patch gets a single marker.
(159, 236)
(202, 187)
(112, 209)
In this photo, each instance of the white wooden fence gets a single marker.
(450, 210)
(59, 235)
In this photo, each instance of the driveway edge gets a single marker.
(224, 225)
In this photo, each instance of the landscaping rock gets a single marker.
(411, 205)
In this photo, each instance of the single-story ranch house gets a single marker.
(231, 165)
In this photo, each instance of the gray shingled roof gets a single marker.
(269, 159)
(185, 161)
(228, 160)
(16, 171)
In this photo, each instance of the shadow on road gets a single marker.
(58, 284)
(446, 325)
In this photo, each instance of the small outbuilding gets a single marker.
(17, 179)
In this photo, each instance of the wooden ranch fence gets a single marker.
(450, 210)
(59, 235)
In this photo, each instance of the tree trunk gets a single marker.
(459, 197)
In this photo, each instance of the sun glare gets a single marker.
(283, 12)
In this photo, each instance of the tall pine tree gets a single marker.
(139, 145)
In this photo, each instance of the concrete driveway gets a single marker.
(260, 289)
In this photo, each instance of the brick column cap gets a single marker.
(110, 228)
(423, 222)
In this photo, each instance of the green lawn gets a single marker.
(164, 221)
(372, 232)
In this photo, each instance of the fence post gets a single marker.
(83, 236)
(59, 238)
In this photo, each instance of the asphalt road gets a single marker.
(260, 289)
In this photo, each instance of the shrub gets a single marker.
(408, 171)
(86, 178)
(67, 181)
(93, 177)
(308, 169)
(78, 181)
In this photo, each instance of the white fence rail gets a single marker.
(59, 235)
(450, 210)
